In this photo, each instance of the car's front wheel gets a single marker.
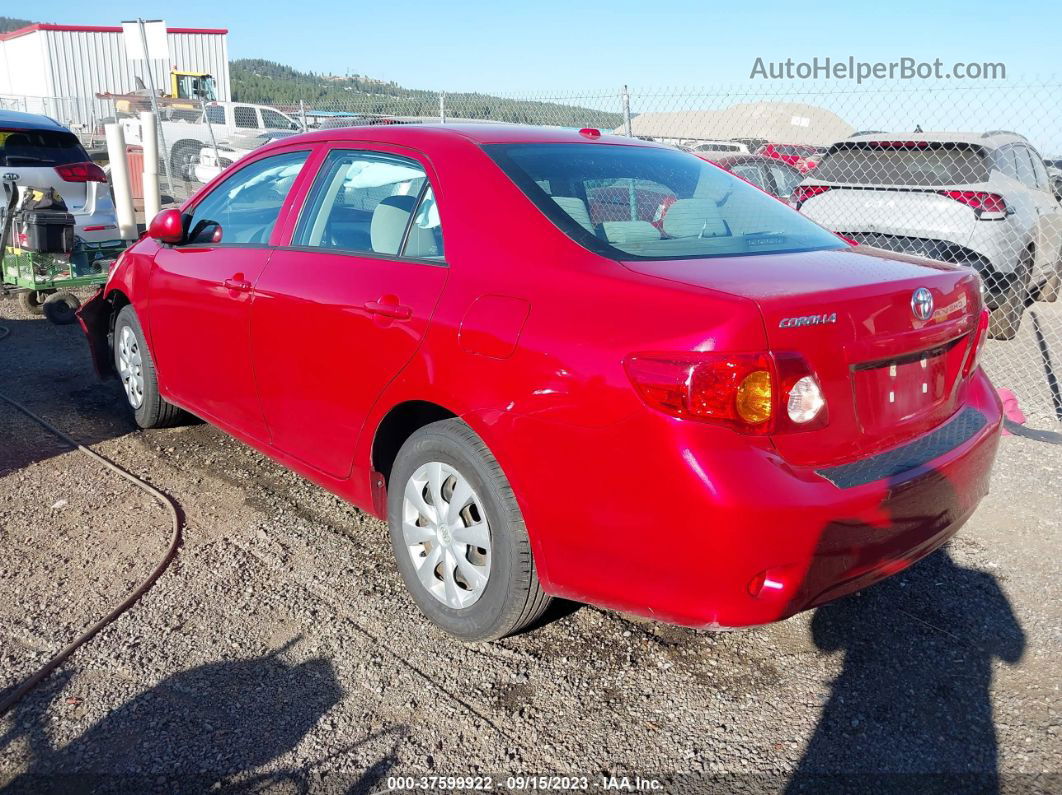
(136, 370)
(458, 536)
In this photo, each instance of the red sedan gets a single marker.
(713, 412)
(800, 156)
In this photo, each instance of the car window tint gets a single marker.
(1023, 162)
(371, 203)
(625, 199)
(244, 208)
(245, 116)
(750, 172)
(785, 179)
(886, 163)
(272, 120)
(215, 114)
(40, 148)
(668, 204)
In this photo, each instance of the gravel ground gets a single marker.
(280, 653)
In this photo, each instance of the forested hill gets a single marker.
(269, 83)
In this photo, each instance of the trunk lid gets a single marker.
(886, 374)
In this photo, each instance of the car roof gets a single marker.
(478, 133)
(17, 120)
(989, 139)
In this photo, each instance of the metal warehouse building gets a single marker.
(58, 69)
(780, 122)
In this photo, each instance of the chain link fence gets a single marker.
(963, 173)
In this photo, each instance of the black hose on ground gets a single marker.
(175, 539)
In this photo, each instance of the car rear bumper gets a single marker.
(718, 534)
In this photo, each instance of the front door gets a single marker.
(200, 292)
(338, 313)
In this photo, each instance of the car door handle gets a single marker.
(237, 282)
(389, 309)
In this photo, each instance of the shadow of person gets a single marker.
(191, 729)
(912, 706)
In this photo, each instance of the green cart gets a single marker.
(43, 281)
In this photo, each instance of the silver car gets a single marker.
(980, 199)
(38, 152)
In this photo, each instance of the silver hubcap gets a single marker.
(446, 534)
(130, 366)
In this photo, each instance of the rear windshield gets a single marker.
(39, 148)
(933, 166)
(634, 202)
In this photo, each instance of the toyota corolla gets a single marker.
(704, 408)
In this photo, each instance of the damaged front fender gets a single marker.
(94, 316)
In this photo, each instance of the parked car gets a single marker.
(717, 423)
(185, 138)
(981, 200)
(1054, 173)
(802, 157)
(767, 173)
(717, 147)
(39, 152)
(213, 161)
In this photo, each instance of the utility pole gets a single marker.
(155, 106)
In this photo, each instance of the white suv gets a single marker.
(983, 200)
(39, 152)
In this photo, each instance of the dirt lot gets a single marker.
(281, 653)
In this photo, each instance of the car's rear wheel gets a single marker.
(458, 535)
(1008, 296)
(136, 370)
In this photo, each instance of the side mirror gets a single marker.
(167, 227)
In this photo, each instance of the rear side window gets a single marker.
(244, 116)
(923, 166)
(371, 203)
(215, 114)
(664, 204)
(40, 148)
(243, 209)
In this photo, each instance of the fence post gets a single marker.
(627, 113)
(442, 108)
(302, 115)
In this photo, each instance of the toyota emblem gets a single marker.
(922, 303)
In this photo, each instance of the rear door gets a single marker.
(200, 293)
(339, 311)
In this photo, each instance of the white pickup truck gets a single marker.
(185, 138)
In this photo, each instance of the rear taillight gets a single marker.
(80, 172)
(987, 206)
(973, 356)
(804, 192)
(753, 393)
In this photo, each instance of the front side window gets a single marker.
(674, 205)
(371, 203)
(245, 116)
(243, 209)
(272, 120)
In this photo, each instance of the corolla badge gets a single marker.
(808, 320)
(922, 303)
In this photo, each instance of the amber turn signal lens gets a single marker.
(754, 397)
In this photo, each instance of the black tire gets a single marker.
(61, 308)
(512, 598)
(153, 411)
(1008, 297)
(32, 301)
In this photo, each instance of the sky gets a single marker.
(551, 45)
(553, 48)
